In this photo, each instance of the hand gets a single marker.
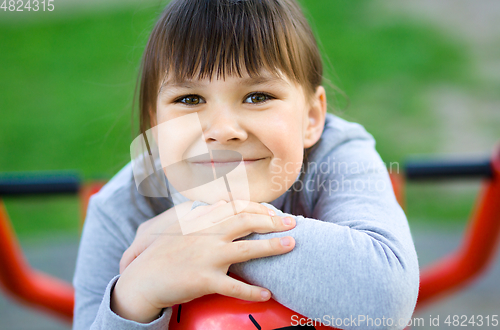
(176, 268)
(149, 230)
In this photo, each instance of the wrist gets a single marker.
(131, 305)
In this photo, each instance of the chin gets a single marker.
(212, 193)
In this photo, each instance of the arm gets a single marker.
(101, 247)
(354, 254)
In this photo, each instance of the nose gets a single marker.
(223, 126)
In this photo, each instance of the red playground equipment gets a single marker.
(445, 276)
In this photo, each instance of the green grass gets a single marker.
(66, 104)
(443, 204)
(67, 89)
(384, 64)
(32, 216)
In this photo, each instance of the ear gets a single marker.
(315, 118)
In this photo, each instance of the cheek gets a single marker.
(282, 174)
(283, 138)
(282, 134)
(162, 115)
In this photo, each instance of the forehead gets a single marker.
(263, 78)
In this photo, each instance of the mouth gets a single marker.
(227, 162)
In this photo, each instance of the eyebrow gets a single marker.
(246, 81)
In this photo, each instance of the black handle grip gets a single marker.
(35, 183)
(447, 169)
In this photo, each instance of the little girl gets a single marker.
(321, 230)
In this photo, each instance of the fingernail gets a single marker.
(271, 213)
(285, 241)
(286, 221)
(264, 294)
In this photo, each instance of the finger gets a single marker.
(128, 256)
(244, 224)
(241, 251)
(233, 288)
(205, 209)
(226, 210)
(208, 208)
(242, 206)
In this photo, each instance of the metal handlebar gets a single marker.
(39, 183)
(446, 169)
(443, 277)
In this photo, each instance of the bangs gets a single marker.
(223, 37)
(199, 39)
(215, 38)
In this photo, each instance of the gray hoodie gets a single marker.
(354, 256)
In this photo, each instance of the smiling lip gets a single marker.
(226, 163)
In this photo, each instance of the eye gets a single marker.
(259, 97)
(189, 100)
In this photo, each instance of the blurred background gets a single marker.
(422, 76)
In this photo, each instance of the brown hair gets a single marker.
(195, 39)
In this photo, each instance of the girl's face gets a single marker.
(266, 119)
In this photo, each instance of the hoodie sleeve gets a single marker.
(100, 251)
(354, 254)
